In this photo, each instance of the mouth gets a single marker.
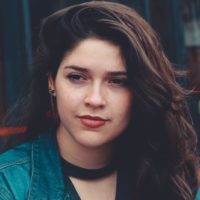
(92, 121)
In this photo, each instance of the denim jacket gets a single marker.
(32, 171)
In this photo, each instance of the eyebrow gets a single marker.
(81, 69)
(111, 73)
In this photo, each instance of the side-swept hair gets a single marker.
(159, 145)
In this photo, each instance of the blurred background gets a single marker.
(176, 21)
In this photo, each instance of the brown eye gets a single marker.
(119, 82)
(76, 78)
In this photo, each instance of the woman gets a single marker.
(104, 114)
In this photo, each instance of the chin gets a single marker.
(94, 143)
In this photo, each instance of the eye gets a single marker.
(76, 77)
(119, 82)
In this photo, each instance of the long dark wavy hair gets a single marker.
(159, 145)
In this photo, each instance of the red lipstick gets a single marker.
(92, 121)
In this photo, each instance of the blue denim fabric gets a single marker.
(32, 171)
(198, 195)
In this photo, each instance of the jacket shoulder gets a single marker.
(16, 156)
(15, 172)
(198, 195)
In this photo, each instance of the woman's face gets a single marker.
(93, 99)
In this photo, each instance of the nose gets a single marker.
(95, 97)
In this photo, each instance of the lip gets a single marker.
(92, 121)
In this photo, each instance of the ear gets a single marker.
(51, 85)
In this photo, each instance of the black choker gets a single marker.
(78, 172)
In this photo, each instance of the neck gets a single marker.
(83, 156)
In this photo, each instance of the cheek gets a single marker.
(121, 113)
(124, 104)
(67, 95)
(122, 108)
(67, 101)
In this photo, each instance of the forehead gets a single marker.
(94, 52)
